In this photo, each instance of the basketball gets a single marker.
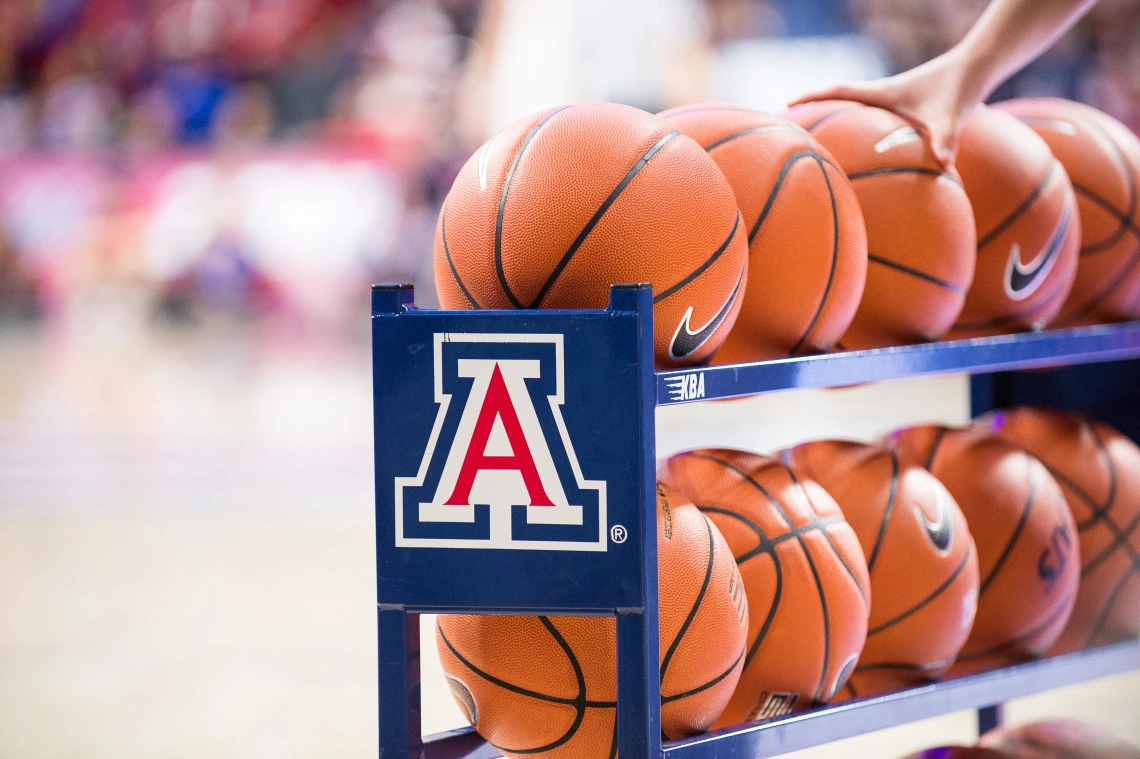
(1028, 226)
(1028, 560)
(920, 557)
(961, 752)
(807, 246)
(547, 686)
(1102, 158)
(920, 227)
(1099, 472)
(563, 203)
(804, 574)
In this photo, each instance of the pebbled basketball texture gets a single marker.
(561, 204)
(1028, 558)
(803, 571)
(920, 557)
(546, 686)
(920, 226)
(1102, 158)
(1099, 471)
(807, 245)
(1028, 225)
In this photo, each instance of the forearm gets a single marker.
(1009, 35)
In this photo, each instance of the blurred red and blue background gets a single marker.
(264, 160)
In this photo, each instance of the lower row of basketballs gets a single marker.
(859, 568)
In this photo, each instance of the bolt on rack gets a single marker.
(584, 389)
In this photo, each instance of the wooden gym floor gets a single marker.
(187, 559)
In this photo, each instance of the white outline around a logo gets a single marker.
(500, 533)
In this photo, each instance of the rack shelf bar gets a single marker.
(847, 719)
(1079, 345)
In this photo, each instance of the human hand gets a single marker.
(1059, 739)
(934, 97)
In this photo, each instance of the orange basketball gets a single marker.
(807, 245)
(961, 752)
(561, 204)
(1099, 472)
(1028, 558)
(803, 571)
(920, 556)
(1028, 224)
(547, 686)
(1102, 158)
(920, 228)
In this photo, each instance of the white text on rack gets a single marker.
(687, 387)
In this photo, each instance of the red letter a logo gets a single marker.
(498, 403)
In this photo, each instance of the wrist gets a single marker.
(968, 76)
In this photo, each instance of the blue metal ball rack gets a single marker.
(515, 474)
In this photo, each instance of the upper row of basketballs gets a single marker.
(832, 227)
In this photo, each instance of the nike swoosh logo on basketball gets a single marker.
(685, 341)
(941, 530)
(1022, 280)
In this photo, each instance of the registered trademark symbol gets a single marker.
(618, 534)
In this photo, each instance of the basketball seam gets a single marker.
(764, 539)
(450, 263)
(882, 170)
(605, 206)
(1114, 282)
(829, 116)
(956, 289)
(767, 544)
(503, 205)
(886, 512)
(826, 619)
(775, 555)
(704, 266)
(1126, 170)
(929, 599)
(745, 132)
(1021, 522)
(986, 239)
(517, 688)
(771, 199)
(939, 436)
(1100, 512)
(1121, 539)
(826, 536)
(1124, 220)
(777, 595)
(704, 686)
(1006, 645)
(834, 258)
(696, 603)
(1108, 604)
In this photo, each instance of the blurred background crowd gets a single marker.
(176, 162)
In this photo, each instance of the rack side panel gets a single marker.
(514, 475)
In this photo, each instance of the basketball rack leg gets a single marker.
(638, 721)
(399, 677)
(990, 718)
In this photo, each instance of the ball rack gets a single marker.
(586, 385)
